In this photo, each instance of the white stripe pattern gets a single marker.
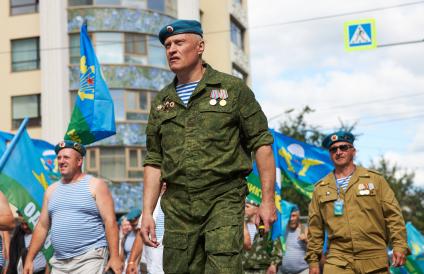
(76, 224)
(184, 91)
(343, 182)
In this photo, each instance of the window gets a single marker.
(26, 106)
(137, 105)
(135, 49)
(158, 5)
(110, 47)
(237, 34)
(116, 163)
(80, 2)
(74, 48)
(23, 6)
(157, 56)
(25, 54)
(239, 73)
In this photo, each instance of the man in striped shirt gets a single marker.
(79, 211)
(360, 212)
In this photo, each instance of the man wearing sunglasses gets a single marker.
(359, 210)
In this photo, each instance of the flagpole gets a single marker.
(6, 154)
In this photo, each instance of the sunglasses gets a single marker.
(341, 147)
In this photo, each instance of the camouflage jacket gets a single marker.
(205, 146)
(263, 253)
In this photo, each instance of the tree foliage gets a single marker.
(409, 196)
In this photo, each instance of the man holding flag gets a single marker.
(80, 213)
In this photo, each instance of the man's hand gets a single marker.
(272, 269)
(115, 264)
(398, 259)
(148, 231)
(314, 269)
(132, 268)
(28, 267)
(267, 213)
(302, 237)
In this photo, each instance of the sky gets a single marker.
(294, 64)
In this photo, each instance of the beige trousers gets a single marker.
(93, 262)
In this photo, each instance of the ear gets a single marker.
(201, 47)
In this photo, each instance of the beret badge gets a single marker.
(169, 29)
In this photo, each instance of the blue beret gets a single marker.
(295, 208)
(133, 214)
(339, 136)
(178, 27)
(70, 144)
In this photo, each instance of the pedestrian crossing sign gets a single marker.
(360, 35)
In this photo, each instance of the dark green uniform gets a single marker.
(204, 152)
(263, 253)
(358, 239)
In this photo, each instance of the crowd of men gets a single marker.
(202, 131)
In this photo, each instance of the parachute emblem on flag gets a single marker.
(87, 78)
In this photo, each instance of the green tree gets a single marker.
(408, 195)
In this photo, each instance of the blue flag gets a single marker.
(301, 164)
(93, 116)
(43, 148)
(23, 179)
(298, 165)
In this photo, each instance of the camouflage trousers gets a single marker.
(203, 235)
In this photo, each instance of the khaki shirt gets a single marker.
(371, 218)
(203, 146)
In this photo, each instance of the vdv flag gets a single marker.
(298, 164)
(43, 148)
(301, 164)
(23, 180)
(93, 116)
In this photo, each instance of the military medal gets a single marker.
(223, 94)
(159, 107)
(214, 95)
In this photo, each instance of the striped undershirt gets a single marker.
(184, 91)
(251, 228)
(343, 182)
(1, 250)
(76, 224)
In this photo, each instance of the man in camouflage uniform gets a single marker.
(360, 212)
(261, 254)
(201, 146)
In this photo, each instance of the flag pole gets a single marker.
(6, 154)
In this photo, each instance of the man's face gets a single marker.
(134, 223)
(342, 153)
(183, 51)
(69, 162)
(294, 220)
